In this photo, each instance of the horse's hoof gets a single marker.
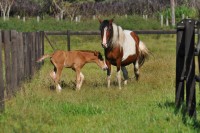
(77, 89)
(137, 77)
(125, 82)
(58, 90)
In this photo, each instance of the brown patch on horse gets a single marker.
(129, 60)
(137, 41)
(113, 54)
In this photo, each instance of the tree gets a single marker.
(5, 6)
(172, 3)
(61, 5)
(67, 7)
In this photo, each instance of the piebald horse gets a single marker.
(121, 48)
(75, 60)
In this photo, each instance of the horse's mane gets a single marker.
(118, 35)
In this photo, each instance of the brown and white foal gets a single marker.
(75, 60)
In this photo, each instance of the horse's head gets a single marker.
(100, 60)
(106, 29)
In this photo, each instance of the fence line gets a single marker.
(20, 53)
(68, 33)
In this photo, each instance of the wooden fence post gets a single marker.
(1, 77)
(185, 66)
(42, 38)
(25, 40)
(190, 68)
(41, 44)
(8, 63)
(21, 57)
(37, 49)
(180, 63)
(14, 56)
(32, 46)
(68, 40)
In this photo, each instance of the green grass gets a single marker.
(143, 106)
(50, 24)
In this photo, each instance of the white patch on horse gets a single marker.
(128, 45)
(104, 37)
(125, 40)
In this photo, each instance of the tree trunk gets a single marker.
(4, 15)
(173, 12)
(8, 12)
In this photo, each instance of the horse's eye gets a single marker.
(100, 57)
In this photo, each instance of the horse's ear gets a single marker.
(100, 21)
(110, 21)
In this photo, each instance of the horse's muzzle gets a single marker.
(105, 67)
(104, 45)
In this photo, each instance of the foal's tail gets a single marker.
(44, 57)
(144, 53)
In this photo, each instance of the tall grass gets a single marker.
(143, 106)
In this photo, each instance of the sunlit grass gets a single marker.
(146, 105)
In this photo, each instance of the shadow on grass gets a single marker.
(70, 85)
(188, 121)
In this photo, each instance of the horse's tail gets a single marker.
(143, 53)
(43, 57)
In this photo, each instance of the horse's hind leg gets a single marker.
(125, 74)
(136, 69)
(53, 74)
(57, 78)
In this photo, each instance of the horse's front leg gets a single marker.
(118, 73)
(108, 73)
(82, 78)
(79, 79)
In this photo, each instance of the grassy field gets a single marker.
(49, 24)
(143, 106)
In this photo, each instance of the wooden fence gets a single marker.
(186, 50)
(69, 33)
(18, 54)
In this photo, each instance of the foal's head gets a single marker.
(99, 60)
(106, 29)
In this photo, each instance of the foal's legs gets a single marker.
(82, 78)
(136, 69)
(79, 79)
(55, 75)
(125, 74)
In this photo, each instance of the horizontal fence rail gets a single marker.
(98, 32)
(70, 33)
(18, 55)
